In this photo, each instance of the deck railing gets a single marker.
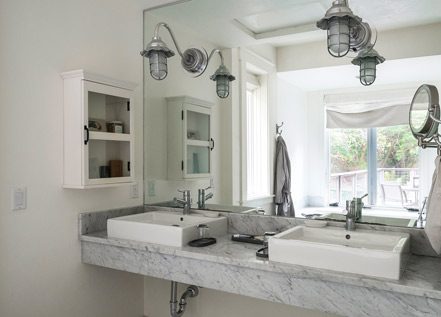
(346, 185)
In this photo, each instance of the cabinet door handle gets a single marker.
(212, 144)
(87, 135)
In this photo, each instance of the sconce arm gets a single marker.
(165, 25)
(214, 51)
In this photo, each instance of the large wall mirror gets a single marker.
(344, 140)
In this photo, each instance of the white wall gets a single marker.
(292, 110)
(41, 272)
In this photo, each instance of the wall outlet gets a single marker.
(212, 182)
(134, 191)
(151, 190)
(18, 198)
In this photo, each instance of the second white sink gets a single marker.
(372, 253)
(164, 228)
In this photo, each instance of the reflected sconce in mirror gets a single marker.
(341, 23)
(222, 77)
(348, 33)
(193, 60)
(368, 61)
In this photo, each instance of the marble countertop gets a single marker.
(422, 276)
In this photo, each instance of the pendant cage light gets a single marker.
(338, 21)
(368, 61)
(222, 77)
(193, 60)
(157, 52)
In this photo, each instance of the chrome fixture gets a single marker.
(421, 219)
(185, 201)
(350, 215)
(202, 198)
(222, 77)
(339, 21)
(193, 60)
(347, 32)
(354, 209)
(177, 308)
(368, 60)
(157, 52)
(424, 117)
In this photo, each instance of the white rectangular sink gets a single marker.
(164, 228)
(371, 253)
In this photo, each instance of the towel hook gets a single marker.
(278, 130)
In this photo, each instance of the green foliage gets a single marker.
(396, 148)
(348, 150)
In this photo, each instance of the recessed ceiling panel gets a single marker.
(295, 15)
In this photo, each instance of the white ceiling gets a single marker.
(233, 23)
(411, 70)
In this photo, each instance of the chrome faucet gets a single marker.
(202, 198)
(421, 220)
(185, 201)
(351, 215)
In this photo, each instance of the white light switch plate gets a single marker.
(18, 198)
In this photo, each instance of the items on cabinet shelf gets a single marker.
(189, 138)
(98, 130)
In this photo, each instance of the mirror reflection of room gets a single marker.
(297, 137)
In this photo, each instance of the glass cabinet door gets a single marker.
(109, 139)
(198, 142)
(198, 126)
(198, 160)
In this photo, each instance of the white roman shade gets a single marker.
(368, 109)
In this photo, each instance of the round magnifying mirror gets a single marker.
(423, 110)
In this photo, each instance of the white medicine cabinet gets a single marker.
(189, 139)
(98, 131)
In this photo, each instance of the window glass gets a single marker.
(397, 167)
(348, 159)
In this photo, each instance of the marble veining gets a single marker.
(233, 267)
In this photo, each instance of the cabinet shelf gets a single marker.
(109, 136)
(198, 143)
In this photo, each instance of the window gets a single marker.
(380, 161)
(257, 139)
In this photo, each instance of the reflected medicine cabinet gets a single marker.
(98, 131)
(189, 138)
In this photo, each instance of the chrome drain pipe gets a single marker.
(177, 308)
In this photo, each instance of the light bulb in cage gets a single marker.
(222, 77)
(368, 61)
(157, 52)
(338, 21)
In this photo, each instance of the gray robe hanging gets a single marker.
(282, 181)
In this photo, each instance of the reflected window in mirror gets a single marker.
(383, 162)
(257, 145)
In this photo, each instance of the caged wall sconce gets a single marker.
(348, 33)
(193, 60)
